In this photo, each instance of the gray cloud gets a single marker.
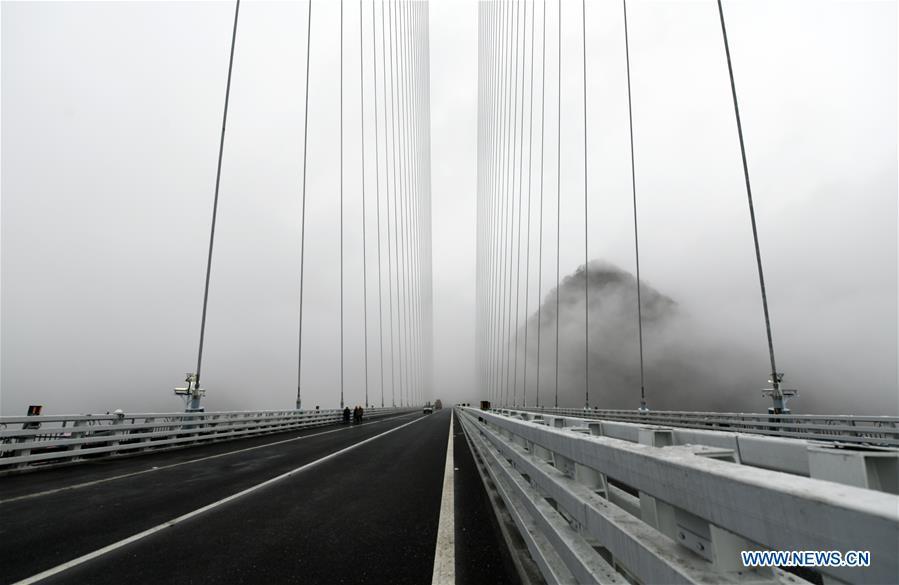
(110, 123)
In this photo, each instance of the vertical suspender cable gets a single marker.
(527, 262)
(399, 195)
(630, 120)
(427, 389)
(404, 216)
(374, 68)
(490, 286)
(303, 203)
(775, 376)
(542, 148)
(401, 201)
(520, 189)
(364, 241)
(586, 231)
(558, 202)
(495, 210)
(396, 243)
(480, 176)
(419, 194)
(492, 213)
(341, 204)
(387, 187)
(511, 389)
(410, 198)
(215, 199)
(509, 210)
(429, 281)
(503, 202)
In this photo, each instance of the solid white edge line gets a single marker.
(116, 545)
(445, 552)
(78, 486)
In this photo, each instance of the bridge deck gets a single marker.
(366, 511)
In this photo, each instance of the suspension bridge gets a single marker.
(525, 486)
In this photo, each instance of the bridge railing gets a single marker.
(593, 508)
(29, 441)
(873, 430)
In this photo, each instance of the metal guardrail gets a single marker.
(597, 509)
(871, 430)
(30, 441)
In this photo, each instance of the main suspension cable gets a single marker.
(215, 199)
(303, 203)
(775, 375)
(630, 120)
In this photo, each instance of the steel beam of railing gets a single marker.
(32, 441)
(871, 430)
(655, 511)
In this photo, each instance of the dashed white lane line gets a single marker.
(163, 467)
(116, 545)
(445, 552)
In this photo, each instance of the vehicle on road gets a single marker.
(428, 409)
(438, 405)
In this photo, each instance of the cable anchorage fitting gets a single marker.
(778, 395)
(192, 393)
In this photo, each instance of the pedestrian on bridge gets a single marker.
(346, 414)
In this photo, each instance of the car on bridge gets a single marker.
(428, 409)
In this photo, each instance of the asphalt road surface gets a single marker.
(343, 504)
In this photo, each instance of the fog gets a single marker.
(111, 115)
(688, 364)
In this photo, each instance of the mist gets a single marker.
(111, 115)
(687, 365)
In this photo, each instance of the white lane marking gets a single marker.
(216, 456)
(445, 553)
(116, 545)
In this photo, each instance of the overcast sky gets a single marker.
(111, 114)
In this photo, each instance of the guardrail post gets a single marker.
(563, 464)
(118, 420)
(869, 468)
(592, 478)
(656, 437)
(657, 513)
(726, 548)
(149, 430)
(21, 453)
(541, 453)
(77, 435)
